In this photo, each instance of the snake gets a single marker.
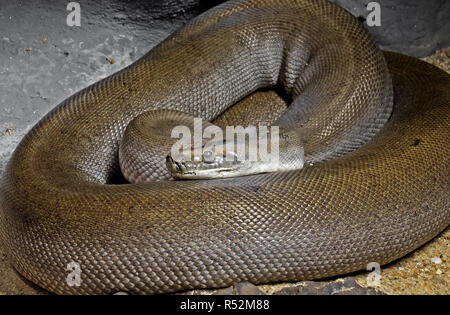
(374, 128)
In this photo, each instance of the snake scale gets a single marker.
(374, 188)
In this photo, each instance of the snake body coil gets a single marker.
(342, 211)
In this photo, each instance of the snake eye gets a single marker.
(208, 156)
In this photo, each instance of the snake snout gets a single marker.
(172, 166)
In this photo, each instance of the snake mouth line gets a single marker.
(184, 170)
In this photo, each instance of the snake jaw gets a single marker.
(199, 169)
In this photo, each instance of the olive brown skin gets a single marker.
(367, 194)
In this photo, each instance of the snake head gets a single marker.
(206, 162)
(240, 158)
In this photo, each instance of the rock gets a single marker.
(346, 286)
(243, 288)
(436, 260)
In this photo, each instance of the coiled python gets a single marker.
(344, 209)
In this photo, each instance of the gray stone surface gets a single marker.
(345, 286)
(341, 286)
(43, 61)
(243, 288)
